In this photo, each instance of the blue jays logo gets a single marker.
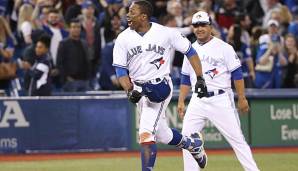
(158, 62)
(212, 72)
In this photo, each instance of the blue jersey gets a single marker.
(244, 54)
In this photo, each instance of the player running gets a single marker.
(220, 63)
(141, 59)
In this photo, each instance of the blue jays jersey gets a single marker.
(148, 56)
(218, 61)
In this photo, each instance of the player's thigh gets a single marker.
(194, 119)
(225, 117)
(150, 116)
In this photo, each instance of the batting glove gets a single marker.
(134, 96)
(201, 87)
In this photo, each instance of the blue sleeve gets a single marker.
(237, 74)
(261, 50)
(191, 52)
(185, 80)
(107, 60)
(120, 72)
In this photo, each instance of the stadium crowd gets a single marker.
(66, 45)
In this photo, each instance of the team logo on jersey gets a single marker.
(212, 72)
(158, 62)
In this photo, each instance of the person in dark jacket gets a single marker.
(40, 83)
(91, 33)
(73, 60)
(108, 80)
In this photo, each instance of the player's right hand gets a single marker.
(181, 109)
(134, 96)
(201, 87)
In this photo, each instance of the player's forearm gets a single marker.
(196, 64)
(240, 88)
(184, 90)
(125, 83)
(250, 65)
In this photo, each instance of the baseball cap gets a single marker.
(87, 4)
(201, 17)
(272, 22)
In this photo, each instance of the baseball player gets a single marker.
(220, 64)
(141, 60)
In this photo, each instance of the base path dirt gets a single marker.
(63, 156)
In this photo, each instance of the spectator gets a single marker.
(91, 33)
(57, 34)
(271, 5)
(283, 16)
(112, 7)
(40, 84)
(293, 26)
(25, 26)
(225, 15)
(108, 79)
(73, 11)
(255, 11)
(73, 60)
(40, 15)
(270, 58)
(160, 8)
(42, 8)
(55, 31)
(175, 8)
(291, 52)
(256, 33)
(7, 47)
(29, 56)
(244, 21)
(244, 53)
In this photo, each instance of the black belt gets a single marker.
(153, 81)
(214, 93)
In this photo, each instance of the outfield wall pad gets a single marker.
(106, 121)
(64, 124)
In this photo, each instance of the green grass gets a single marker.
(266, 162)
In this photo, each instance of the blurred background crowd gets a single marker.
(51, 46)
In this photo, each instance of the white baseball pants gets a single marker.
(221, 111)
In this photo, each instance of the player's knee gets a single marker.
(146, 137)
(164, 136)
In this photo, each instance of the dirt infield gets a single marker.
(41, 157)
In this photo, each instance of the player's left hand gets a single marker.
(201, 87)
(243, 105)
